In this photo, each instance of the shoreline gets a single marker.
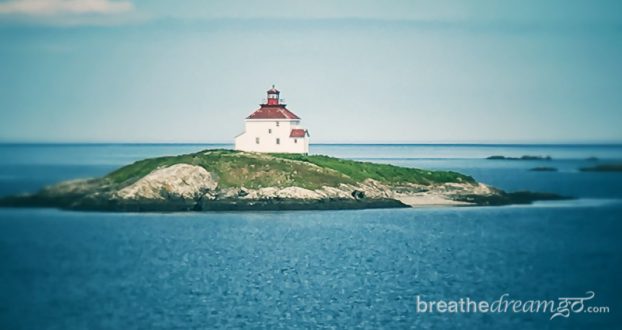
(277, 204)
(228, 180)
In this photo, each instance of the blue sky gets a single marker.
(355, 71)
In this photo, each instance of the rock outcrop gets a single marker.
(228, 180)
(180, 181)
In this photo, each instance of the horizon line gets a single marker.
(507, 143)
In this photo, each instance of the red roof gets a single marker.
(272, 112)
(298, 133)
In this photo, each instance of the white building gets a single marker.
(273, 128)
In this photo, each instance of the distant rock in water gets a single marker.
(592, 159)
(544, 169)
(525, 157)
(519, 197)
(603, 168)
(213, 180)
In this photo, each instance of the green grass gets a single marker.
(237, 169)
(251, 170)
(391, 174)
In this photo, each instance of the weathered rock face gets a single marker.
(189, 187)
(367, 191)
(71, 188)
(185, 187)
(180, 181)
(288, 193)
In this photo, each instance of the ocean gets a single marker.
(314, 269)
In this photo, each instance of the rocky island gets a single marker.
(219, 179)
(603, 168)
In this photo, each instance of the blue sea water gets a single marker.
(310, 269)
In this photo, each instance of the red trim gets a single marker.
(272, 112)
(298, 133)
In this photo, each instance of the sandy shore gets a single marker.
(427, 200)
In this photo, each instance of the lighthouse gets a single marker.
(273, 128)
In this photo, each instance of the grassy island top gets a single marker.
(255, 170)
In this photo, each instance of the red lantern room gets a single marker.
(273, 96)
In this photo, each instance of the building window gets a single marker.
(278, 141)
(269, 130)
(295, 140)
(277, 124)
(257, 140)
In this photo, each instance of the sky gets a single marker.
(354, 71)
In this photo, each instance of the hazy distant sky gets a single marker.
(355, 71)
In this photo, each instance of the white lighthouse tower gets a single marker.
(273, 128)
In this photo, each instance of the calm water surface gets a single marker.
(331, 269)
